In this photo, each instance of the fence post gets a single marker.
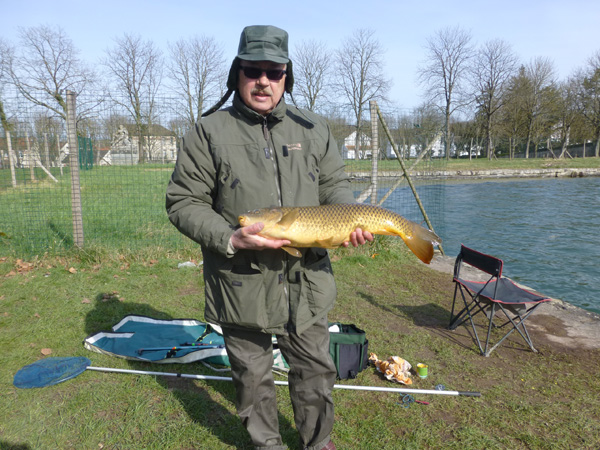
(74, 168)
(406, 175)
(374, 151)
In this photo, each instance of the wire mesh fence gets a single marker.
(123, 169)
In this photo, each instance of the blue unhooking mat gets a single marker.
(143, 338)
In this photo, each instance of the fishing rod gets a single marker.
(173, 350)
(54, 370)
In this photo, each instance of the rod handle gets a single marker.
(469, 394)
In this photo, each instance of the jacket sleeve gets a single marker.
(190, 194)
(334, 186)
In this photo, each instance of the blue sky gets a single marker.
(566, 32)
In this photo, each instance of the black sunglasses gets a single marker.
(255, 73)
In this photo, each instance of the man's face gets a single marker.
(261, 94)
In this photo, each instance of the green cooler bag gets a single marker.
(349, 349)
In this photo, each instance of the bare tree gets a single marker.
(197, 69)
(311, 70)
(567, 112)
(538, 100)
(589, 97)
(492, 69)
(360, 75)
(135, 67)
(444, 73)
(513, 116)
(6, 55)
(47, 66)
(337, 119)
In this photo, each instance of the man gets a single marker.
(261, 152)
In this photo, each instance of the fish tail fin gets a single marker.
(421, 242)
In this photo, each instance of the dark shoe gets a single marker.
(329, 446)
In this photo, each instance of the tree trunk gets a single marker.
(357, 138)
(471, 150)
(529, 133)
(488, 137)
(565, 142)
(447, 136)
(11, 158)
(60, 165)
(30, 158)
(141, 155)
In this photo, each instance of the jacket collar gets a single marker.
(276, 115)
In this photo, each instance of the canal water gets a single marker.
(545, 230)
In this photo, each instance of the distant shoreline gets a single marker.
(485, 174)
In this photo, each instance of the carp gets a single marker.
(328, 226)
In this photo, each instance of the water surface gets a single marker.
(545, 230)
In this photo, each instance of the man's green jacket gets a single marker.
(236, 160)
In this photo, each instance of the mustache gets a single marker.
(261, 91)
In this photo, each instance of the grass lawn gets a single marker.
(48, 305)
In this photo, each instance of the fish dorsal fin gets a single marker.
(288, 218)
(292, 251)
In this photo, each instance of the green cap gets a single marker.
(258, 43)
(264, 43)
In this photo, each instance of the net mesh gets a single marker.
(124, 169)
(50, 371)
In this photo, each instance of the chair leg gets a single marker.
(463, 314)
(489, 332)
(516, 326)
(452, 317)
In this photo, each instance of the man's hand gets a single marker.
(358, 237)
(247, 238)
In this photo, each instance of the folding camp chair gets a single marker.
(496, 295)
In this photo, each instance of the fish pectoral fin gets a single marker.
(292, 251)
(288, 219)
(327, 243)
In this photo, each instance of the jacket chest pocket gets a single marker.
(245, 181)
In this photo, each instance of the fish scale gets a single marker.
(328, 226)
(345, 216)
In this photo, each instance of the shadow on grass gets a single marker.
(203, 406)
(65, 238)
(429, 315)
(425, 315)
(8, 446)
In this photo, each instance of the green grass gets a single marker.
(123, 206)
(548, 400)
(123, 209)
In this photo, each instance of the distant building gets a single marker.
(159, 145)
(349, 147)
(437, 150)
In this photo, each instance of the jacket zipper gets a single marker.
(270, 153)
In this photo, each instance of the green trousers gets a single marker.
(311, 379)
